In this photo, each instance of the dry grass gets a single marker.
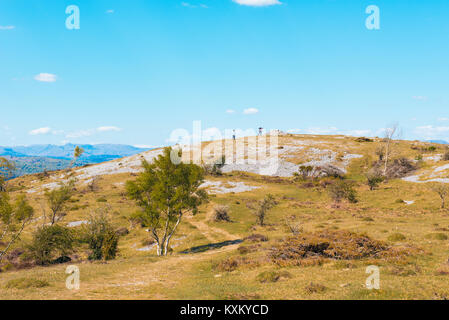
(343, 239)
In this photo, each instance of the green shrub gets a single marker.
(373, 180)
(25, 283)
(396, 237)
(101, 236)
(50, 243)
(437, 236)
(102, 199)
(272, 276)
(342, 189)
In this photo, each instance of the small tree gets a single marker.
(373, 180)
(263, 207)
(77, 153)
(57, 200)
(13, 220)
(443, 191)
(390, 135)
(101, 236)
(165, 191)
(6, 171)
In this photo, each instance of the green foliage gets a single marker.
(78, 152)
(57, 200)
(50, 243)
(101, 236)
(396, 237)
(13, 219)
(263, 207)
(164, 192)
(342, 189)
(6, 172)
(373, 180)
(26, 283)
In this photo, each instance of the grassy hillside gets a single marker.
(398, 227)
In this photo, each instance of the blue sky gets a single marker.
(137, 70)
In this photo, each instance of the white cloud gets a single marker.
(90, 132)
(80, 133)
(419, 98)
(230, 111)
(36, 132)
(7, 27)
(108, 128)
(110, 11)
(189, 5)
(251, 111)
(443, 119)
(45, 77)
(257, 3)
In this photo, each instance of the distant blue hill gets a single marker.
(438, 141)
(39, 158)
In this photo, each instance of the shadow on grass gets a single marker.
(211, 246)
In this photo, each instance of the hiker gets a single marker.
(260, 131)
(233, 134)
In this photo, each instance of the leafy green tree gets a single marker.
(57, 200)
(165, 191)
(13, 220)
(6, 171)
(77, 153)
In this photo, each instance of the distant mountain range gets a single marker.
(38, 158)
(438, 141)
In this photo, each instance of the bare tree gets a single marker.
(390, 135)
(443, 191)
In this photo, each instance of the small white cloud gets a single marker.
(257, 3)
(45, 77)
(7, 27)
(419, 98)
(79, 134)
(230, 111)
(110, 11)
(251, 111)
(189, 5)
(110, 128)
(36, 132)
(443, 119)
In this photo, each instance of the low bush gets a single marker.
(50, 243)
(26, 283)
(343, 189)
(314, 288)
(396, 237)
(101, 236)
(327, 244)
(437, 236)
(256, 238)
(221, 213)
(272, 276)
